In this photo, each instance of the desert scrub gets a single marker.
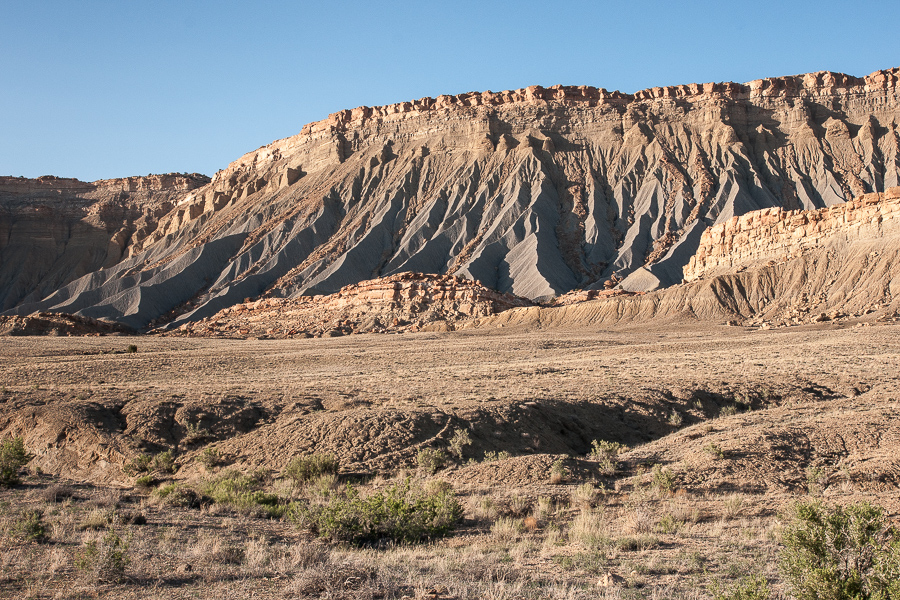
(714, 450)
(491, 456)
(30, 527)
(430, 460)
(12, 458)
(172, 494)
(209, 458)
(301, 469)
(754, 587)
(558, 472)
(147, 463)
(460, 440)
(244, 493)
(104, 559)
(401, 513)
(842, 552)
(663, 480)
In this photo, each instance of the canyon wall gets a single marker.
(777, 235)
(54, 230)
(534, 192)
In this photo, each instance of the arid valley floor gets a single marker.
(725, 428)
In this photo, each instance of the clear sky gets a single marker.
(95, 90)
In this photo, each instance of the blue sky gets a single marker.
(109, 89)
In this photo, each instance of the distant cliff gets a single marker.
(534, 192)
(54, 230)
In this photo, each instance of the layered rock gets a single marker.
(535, 192)
(405, 302)
(55, 230)
(775, 234)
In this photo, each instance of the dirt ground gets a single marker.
(744, 422)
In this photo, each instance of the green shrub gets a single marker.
(754, 587)
(165, 462)
(304, 468)
(491, 456)
(12, 458)
(401, 513)
(460, 440)
(430, 460)
(139, 464)
(173, 494)
(209, 458)
(30, 527)
(130, 348)
(602, 449)
(144, 481)
(844, 552)
(714, 450)
(242, 492)
(663, 480)
(105, 559)
(558, 472)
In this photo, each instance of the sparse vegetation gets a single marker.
(12, 458)
(244, 493)
(431, 460)
(842, 552)
(558, 472)
(401, 513)
(459, 441)
(492, 456)
(301, 469)
(104, 559)
(131, 348)
(30, 527)
(662, 479)
(714, 450)
(209, 457)
(753, 587)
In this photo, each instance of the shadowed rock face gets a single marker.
(55, 230)
(534, 192)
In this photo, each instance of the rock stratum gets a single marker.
(55, 230)
(534, 192)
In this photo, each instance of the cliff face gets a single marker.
(55, 230)
(535, 192)
(777, 235)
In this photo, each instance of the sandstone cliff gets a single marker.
(534, 192)
(766, 268)
(55, 230)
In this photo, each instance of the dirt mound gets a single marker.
(59, 324)
(404, 302)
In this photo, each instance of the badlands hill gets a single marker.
(533, 192)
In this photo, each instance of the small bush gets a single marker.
(144, 481)
(602, 449)
(105, 559)
(460, 440)
(30, 527)
(844, 552)
(139, 464)
(165, 462)
(401, 513)
(816, 480)
(506, 529)
(714, 450)
(243, 492)
(663, 480)
(130, 348)
(727, 411)
(491, 456)
(558, 472)
(209, 458)
(173, 494)
(430, 460)
(12, 458)
(754, 587)
(303, 468)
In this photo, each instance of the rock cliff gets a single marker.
(534, 192)
(55, 230)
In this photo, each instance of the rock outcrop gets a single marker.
(534, 192)
(779, 235)
(405, 302)
(55, 230)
